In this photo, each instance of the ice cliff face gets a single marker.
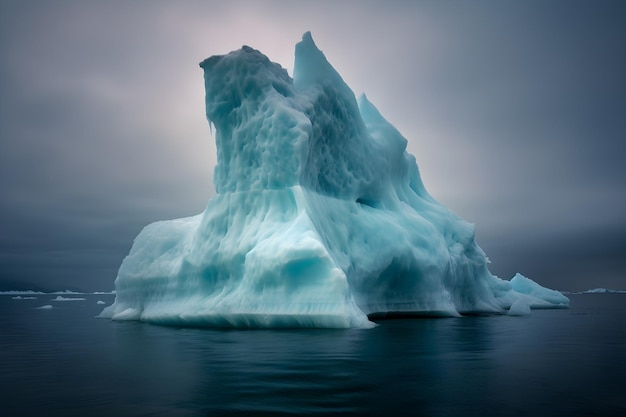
(320, 218)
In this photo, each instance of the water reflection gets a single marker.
(396, 367)
(64, 362)
(270, 372)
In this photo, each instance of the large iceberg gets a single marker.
(320, 218)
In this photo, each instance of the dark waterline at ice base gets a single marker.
(64, 362)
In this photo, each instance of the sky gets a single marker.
(515, 111)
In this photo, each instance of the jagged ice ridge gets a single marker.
(320, 218)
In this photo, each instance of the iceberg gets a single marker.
(320, 217)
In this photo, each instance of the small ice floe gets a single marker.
(520, 308)
(604, 291)
(18, 292)
(19, 297)
(46, 307)
(60, 298)
(100, 302)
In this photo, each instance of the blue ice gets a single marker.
(321, 218)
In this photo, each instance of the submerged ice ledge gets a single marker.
(320, 218)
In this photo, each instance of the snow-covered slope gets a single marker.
(320, 218)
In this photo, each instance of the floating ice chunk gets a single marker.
(321, 218)
(46, 307)
(100, 302)
(128, 314)
(60, 298)
(604, 291)
(520, 308)
(19, 297)
(20, 292)
(542, 297)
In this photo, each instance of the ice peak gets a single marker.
(307, 38)
(311, 67)
(367, 109)
(248, 99)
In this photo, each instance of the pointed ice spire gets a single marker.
(311, 66)
(369, 112)
(380, 129)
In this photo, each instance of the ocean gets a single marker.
(64, 362)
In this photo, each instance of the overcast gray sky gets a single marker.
(516, 112)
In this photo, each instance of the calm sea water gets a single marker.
(64, 362)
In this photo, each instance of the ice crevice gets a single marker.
(320, 219)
